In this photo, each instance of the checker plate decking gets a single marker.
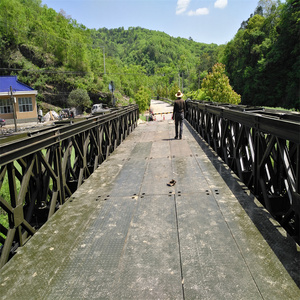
(126, 234)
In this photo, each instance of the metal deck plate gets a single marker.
(150, 268)
(92, 269)
(213, 267)
(126, 234)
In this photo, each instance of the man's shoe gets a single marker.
(180, 137)
(176, 137)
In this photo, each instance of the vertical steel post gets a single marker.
(14, 108)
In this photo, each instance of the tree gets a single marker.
(143, 98)
(173, 90)
(216, 86)
(79, 98)
(70, 56)
(196, 95)
(267, 6)
(283, 60)
(263, 59)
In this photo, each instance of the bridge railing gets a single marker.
(39, 172)
(262, 147)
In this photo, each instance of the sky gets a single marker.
(205, 21)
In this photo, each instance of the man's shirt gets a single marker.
(179, 106)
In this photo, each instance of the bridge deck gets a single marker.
(126, 234)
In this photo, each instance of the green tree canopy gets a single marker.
(143, 98)
(79, 98)
(263, 59)
(216, 86)
(51, 52)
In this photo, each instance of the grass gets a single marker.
(5, 195)
(143, 118)
(4, 221)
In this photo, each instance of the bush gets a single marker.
(143, 98)
(196, 95)
(79, 98)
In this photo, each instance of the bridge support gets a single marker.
(262, 148)
(42, 171)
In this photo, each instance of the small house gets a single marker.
(18, 98)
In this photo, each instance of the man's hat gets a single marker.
(178, 94)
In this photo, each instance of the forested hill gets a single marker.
(154, 49)
(55, 55)
(263, 59)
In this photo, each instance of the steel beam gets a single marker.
(44, 168)
(262, 148)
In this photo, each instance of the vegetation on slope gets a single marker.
(54, 54)
(263, 59)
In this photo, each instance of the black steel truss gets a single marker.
(262, 147)
(46, 167)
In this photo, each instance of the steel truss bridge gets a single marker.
(262, 147)
(44, 168)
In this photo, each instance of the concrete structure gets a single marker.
(18, 97)
(161, 110)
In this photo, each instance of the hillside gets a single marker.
(263, 59)
(153, 49)
(54, 54)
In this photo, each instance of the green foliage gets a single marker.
(279, 108)
(5, 195)
(263, 59)
(57, 55)
(79, 98)
(216, 86)
(152, 49)
(173, 90)
(3, 222)
(196, 95)
(143, 98)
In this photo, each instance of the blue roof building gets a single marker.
(17, 97)
(11, 81)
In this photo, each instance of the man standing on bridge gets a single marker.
(178, 113)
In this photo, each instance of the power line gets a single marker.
(77, 72)
(43, 71)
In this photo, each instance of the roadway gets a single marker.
(127, 234)
(161, 110)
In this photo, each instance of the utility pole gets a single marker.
(96, 46)
(12, 99)
(104, 60)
